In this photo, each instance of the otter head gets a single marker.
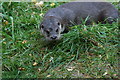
(51, 28)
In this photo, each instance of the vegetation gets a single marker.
(83, 52)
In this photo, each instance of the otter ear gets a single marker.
(62, 27)
(41, 26)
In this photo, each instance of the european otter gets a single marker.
(56, 19)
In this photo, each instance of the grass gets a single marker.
(83, 52)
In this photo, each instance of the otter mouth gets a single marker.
(53, 38)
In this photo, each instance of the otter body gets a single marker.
(56, 19)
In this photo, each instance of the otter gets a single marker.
(56, 20)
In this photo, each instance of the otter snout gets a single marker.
(53, 37)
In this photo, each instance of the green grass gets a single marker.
(83, 52)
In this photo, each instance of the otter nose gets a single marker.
(54, 37)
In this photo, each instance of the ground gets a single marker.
(83, 52)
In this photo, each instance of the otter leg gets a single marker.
(110, 15)
(86, 21)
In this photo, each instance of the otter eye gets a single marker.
(42, 26)
(56, 30)
(58, 23)
(47, 32)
